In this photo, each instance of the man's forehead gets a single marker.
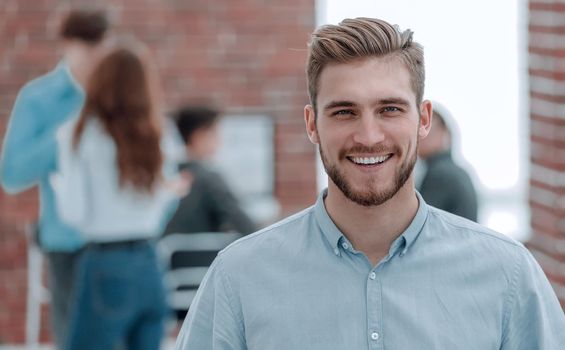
(373, 77)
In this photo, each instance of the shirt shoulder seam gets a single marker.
(230, 295)
(509, 300)
(37, 85)
(273, 227)
(481, 231)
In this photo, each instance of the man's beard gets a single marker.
(369, 197)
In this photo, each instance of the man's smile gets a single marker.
(372, 160)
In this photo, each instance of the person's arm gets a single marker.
(29, 147)
(213, 320)
(226, 207)
(534, 319)
(177, 183)
(71, 181)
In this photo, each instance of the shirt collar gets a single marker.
(404, 241)
(63, 66)
(329, 229)
(411, 233)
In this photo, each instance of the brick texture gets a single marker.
(247, 56)
(547, 136)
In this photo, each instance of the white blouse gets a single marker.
(88, 194)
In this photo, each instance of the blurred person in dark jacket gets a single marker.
(210, 206)
(445, 185)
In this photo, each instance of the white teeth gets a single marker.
(369, 160)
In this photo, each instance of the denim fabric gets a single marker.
(120, 299)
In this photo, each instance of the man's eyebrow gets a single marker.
(393, 101)
(335, 104)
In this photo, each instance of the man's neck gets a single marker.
(372, 230)
(77, 58)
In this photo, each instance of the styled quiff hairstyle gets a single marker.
(357, 38)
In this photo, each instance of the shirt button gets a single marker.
(375, 336)
(345, 245)
(372, 276)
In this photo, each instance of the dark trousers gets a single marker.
(62, 271)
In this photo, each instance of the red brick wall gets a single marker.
(547, 136)
(247, 56)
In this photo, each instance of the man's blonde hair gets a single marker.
(357, 38)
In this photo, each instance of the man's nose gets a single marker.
(369, 131)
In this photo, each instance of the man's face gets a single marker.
(85, 57)
(204, 142)
(367, 127)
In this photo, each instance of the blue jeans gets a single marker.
(119, 299)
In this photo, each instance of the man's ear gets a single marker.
(426, 112)
(310, 120)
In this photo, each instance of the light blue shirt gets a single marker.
(29, 151)
(447, 283)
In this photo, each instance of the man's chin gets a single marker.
(366, 198)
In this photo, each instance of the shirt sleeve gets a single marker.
(226, 207)
(28, 154)
(70, 182)
(535, 318)
(212, 321)
(169, 202)
(170, 172)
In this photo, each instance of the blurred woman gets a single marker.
(111, 186)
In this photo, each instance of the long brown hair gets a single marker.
(121, 96)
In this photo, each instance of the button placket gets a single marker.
(374, 310)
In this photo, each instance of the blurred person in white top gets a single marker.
(112, 184)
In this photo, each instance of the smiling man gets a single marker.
(371, 265)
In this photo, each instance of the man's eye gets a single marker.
(391, 109)
(343, 112)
